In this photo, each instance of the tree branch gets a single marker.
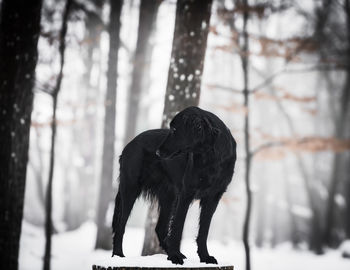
(225, 88)
(266, 146)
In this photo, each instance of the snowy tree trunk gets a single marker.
(104, 232)
(19, 32)
(187, 57)
(184, 79)
(147, 19)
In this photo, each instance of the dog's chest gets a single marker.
(204, 176)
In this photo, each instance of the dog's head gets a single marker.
(190, 130)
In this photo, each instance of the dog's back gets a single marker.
(139, 153)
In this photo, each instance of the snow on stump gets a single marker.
(155, 262)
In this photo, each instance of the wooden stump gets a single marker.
(154, 262)
(97, 267)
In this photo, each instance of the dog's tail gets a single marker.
(116, 214)
(117, 204)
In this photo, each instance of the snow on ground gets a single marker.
(345, 249)
(75, 250)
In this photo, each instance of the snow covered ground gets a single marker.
(75, 250)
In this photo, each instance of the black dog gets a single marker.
(194, 159)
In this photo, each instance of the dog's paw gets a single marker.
(177, 258)
(209, 259)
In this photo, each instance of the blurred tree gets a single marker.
(332, 31)
(19, 32)
(141, 63)
(78, 197)
(184, 79)
(287, 49)
(261, 211)
(55, 92)
(347, 199)
(37, 170)
(104, 232)
(312, 191)
(294, 228)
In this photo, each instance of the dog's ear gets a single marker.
(197, 129)
(197, 124)
(185, 119)
(215, 132)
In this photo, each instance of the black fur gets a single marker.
(194, 159)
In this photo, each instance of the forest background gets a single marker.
(79, 79)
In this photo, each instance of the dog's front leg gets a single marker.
(208, 207)
(176, 228)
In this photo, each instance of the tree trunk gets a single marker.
(336, 168)
(294, 233)
(347, 199)
(78, 200)
(142, 58)
(48, 206)
(261, 204)
(184, 78)
(19, 32)
(104, 232)
(312, 195)
(347, 184)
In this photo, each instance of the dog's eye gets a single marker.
(173, 129)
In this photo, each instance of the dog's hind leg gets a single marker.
(127, 200)
(208, 207)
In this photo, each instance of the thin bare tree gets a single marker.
(247, 163)
(56, 90)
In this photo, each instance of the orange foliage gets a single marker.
(285, 96)
(296, 98)
(48, 123)
(275, 153)
(302, 144)
(310, 111)
(286, 48)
